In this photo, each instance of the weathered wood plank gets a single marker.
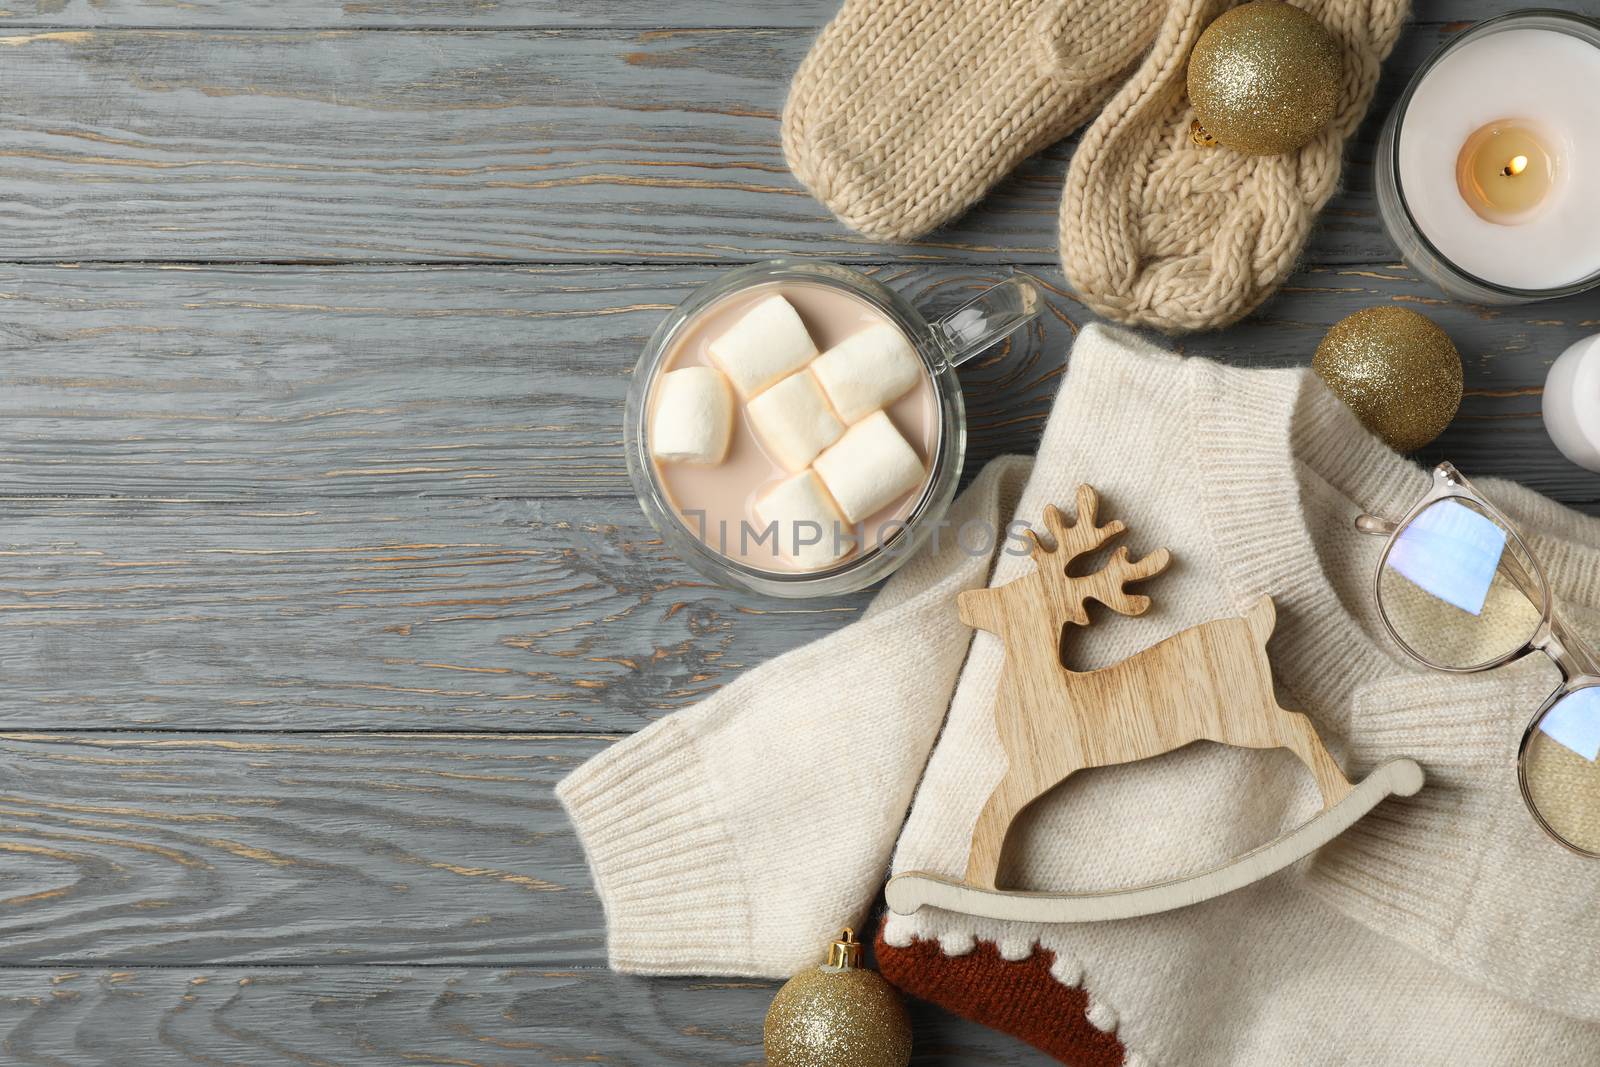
(416, 14)
(188, 382)
(369, 615)
(307, 384)
(496, 14)
(316, 854)
(383, 1015)
(517, 146)
(305, 849)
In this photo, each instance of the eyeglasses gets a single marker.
(1458, 589)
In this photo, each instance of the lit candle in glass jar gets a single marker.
(1489, 167)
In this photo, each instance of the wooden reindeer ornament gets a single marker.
(1211, 682)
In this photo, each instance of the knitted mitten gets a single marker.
(906, 111)
(1160, 232)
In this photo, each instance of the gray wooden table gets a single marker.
(319, 564)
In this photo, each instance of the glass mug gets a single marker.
(942, 345)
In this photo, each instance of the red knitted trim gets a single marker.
(1020, 997)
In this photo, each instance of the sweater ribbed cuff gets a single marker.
(663, 861)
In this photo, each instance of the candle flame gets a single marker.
(1517, 165)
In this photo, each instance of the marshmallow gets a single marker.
(869, 467)
(768, 342)
(867, 370)
(810, 531)
(693, 418)
(794, 420)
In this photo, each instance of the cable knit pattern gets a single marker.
(1159, 232)
(905, 112)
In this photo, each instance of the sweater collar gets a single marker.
(1271, 436)
(1274, 432)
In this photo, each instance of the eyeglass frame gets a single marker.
(1577, 661)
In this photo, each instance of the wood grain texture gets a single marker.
(483, 14)
(341, 862)
(299, 384)
(280, 381)
(416, 14)
(388, 614)
(558, 145)
(1210, 682)
(292, 849)
(385, 1015)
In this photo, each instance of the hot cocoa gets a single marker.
(835, 424)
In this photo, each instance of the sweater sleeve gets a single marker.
(773, 805)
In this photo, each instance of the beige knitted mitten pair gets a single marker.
(905, 112)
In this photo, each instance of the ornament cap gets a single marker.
(845, 952)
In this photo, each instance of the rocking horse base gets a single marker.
(908, 892)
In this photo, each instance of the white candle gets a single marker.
(1498, 158)
(1572, 403)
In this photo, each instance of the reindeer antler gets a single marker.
(1071, 594)
(1077, 538)
(1106, 585)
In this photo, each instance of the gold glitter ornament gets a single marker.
(1264, 78)
(838, 1015)
(1399, 372)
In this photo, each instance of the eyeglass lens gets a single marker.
(1458, 589)
(1560, 770)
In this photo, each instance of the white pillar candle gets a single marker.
(1572, 403)
(1497, 154)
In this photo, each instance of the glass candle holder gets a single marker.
(1489, 165)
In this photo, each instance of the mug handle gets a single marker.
(991, 315)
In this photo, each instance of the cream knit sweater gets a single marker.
(1443, 929)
